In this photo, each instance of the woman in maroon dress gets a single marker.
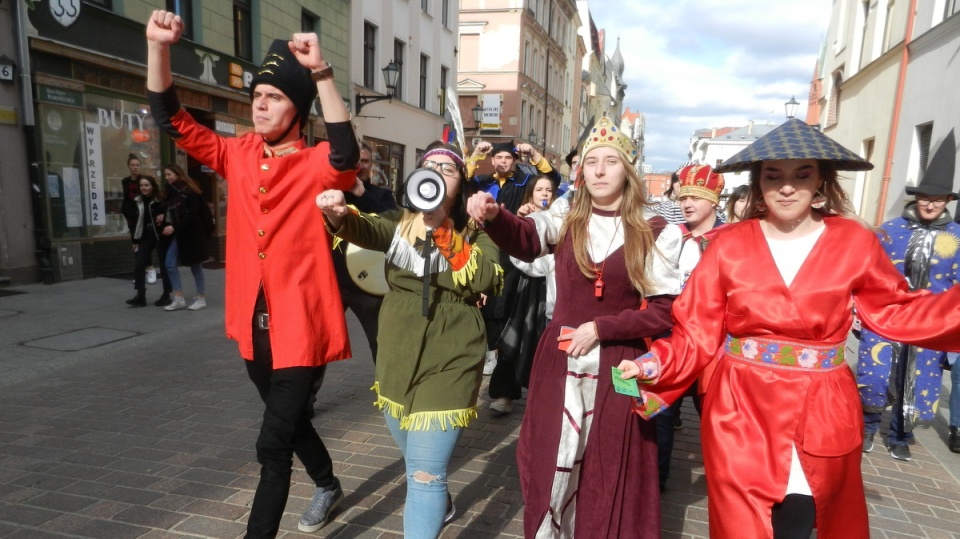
(588, 467)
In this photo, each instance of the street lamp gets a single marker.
(391, 74)
(477, 115)
(532, 137)
(791, 107)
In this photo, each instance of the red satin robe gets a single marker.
(752, 413)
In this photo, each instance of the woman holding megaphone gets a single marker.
(428, 369)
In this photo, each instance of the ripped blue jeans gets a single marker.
(425, 454)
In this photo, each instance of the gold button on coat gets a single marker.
(263, 190)
(264, 167)
(263, 255)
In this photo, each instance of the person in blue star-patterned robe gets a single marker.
(924, 244)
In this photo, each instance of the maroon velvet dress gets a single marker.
(616, 491)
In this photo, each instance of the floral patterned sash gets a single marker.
(786, 353)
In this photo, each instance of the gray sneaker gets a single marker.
(868, 442)
(323, 503)
(900, 452)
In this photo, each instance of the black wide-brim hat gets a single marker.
(794, 140)
(937, 180)
(281, 69)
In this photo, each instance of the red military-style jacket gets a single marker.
(275, 236)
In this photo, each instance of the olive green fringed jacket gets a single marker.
(428, 367)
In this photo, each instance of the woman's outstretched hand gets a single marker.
(482, 207)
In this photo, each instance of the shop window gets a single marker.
(388, 165)
(85, 155)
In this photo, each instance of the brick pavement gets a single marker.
(152, 436)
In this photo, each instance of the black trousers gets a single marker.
(666, 421)
(142, 260)
(794, 517)
(286, 430)
(366, 307)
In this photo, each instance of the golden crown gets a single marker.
(606, 133)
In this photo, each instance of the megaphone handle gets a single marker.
(426, 272)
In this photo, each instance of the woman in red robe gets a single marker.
(782, 425)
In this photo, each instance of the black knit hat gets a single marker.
(281, 69)
(937, 180)
(507, 146)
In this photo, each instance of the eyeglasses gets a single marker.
(935, 202)
(447, 169)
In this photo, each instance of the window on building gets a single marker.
(924, 134)
(833, 106)
(369, 55)
(309, 23)
(425, 6)
(398, 54)
(526, 58)
(950, 8)
(424, 71)
(242, 30)
(523, 116)
(445, 13)
(184, 8)
(865, 52)
(887, 29)
(444, 76)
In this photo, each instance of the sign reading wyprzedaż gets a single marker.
(94, 158)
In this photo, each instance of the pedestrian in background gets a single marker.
(131, 190)
(782, 424)
(668, 207)
(429, 367)
(924, 245)
(282, 302)
(698, 197)
(737, 203)
(588, 467)
(368, 198)
(187, 240)
(534, 293)
(514, 166)
(147, 215)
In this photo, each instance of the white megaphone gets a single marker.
(424, 190)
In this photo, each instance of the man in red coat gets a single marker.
(282, 301)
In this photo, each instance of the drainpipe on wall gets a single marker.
(40, 237)
(895, 121)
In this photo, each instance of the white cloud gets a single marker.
(693, 64)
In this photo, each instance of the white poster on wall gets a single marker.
(72, 197)
(492, 106)
(94, 153)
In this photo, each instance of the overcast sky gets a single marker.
(694, 64)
